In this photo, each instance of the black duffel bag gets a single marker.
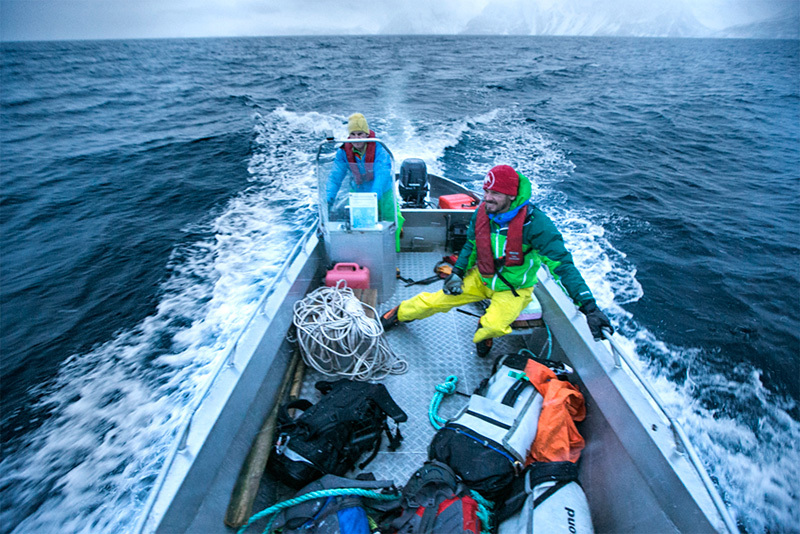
(329, 437)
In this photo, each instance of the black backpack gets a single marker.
(330, 436)
(435, 501)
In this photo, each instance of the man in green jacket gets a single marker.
(508, 239)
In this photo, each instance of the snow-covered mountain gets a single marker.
(587, 17)
(632, 18)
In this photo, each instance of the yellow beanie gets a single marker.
(357, 123)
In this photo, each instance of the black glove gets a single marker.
(452, 284)
(596, 319)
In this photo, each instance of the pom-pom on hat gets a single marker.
(503, 179)
(357, 123)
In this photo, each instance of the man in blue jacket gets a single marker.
(369, 166)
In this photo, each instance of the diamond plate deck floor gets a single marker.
(434, 348)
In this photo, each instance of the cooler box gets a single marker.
(458, 201)
(357, 277)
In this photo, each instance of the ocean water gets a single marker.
(151, 189)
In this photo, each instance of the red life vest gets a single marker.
(369, 160)
(483, 240)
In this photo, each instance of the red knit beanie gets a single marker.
(503, 179)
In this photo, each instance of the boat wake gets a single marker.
(114, 412)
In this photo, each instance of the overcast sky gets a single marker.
(123, 19)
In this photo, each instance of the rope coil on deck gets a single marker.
(338, 339)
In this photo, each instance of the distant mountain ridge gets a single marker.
(785, 25)
(582, 17)
(628, 18)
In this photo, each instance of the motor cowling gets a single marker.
(414, 184)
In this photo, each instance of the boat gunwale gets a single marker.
(679, 435)
(638, 399)
(228, 361)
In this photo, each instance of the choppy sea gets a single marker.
(151, 189)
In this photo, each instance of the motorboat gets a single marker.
(638, 470)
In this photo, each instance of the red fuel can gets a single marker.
(459, 201)
(356, 276)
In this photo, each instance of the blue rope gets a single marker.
(446, 388)
(274, 509)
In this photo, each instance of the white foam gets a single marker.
(115, 410)
(504, 137)
(756, 469)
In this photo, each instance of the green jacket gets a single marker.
(542, 243)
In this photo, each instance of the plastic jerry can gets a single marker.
(356, 276)
(459, 201)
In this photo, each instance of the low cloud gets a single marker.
(102, 19)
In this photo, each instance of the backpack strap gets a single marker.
(284, 418)
(562, 472)
(539, 472)
(534, 474)
(513, 393)
(386, 403)
(394, 444)
(374, 452)
(428, 518)
(394, 441)
(428, 487)
(549, 492)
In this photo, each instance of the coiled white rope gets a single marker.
(338, 339)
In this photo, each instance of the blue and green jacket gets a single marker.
(380, 184)
(542, 243)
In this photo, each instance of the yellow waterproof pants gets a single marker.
(504, 309)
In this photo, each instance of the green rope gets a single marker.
(447, 388)
(484, 511)
(274, 509)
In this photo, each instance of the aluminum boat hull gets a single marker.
(636, 475)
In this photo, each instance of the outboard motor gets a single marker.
(414, 184)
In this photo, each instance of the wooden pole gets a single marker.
(240, 507)
(297, 383)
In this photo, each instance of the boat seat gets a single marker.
(529, 318)
(527, 324)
